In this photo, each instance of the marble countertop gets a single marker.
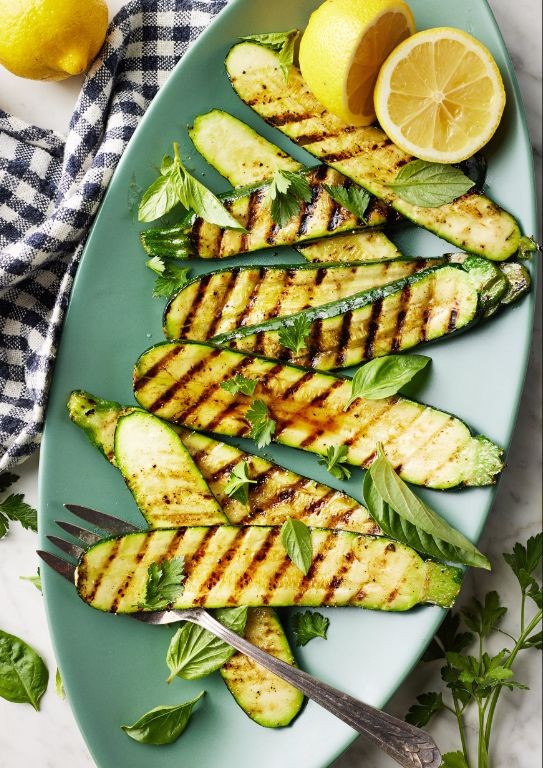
(51, 739)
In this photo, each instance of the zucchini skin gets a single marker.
(366, 155)
(308, 408)
(227, 566)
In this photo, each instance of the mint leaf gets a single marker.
(354, 199)
(237, 486)
(239, 383)
(308, 625)
(162, 725)
(262, 426)
(288, 189)
(335, 455)
(296, 539)
(430, 185)
(428, 704)
(164, 583)
(294, 332)
(283, 43)
(385, 376)
(23, 674)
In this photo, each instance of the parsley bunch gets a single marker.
(13, 507)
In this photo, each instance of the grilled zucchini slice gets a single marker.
(222, 301)
(276, 495)
(366, 155)
(267, 699)
(244, 157)
(226, 566)
(180, 381)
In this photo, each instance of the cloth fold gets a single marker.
(50, 191)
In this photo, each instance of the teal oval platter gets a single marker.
(113, 668)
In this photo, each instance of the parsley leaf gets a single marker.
(454, 760)
(162, 725)
(164, 583)
(239, 383)
(170, 278)
(335, 455)
(15, 509)
(430, 185)
(448, 638)
(288, 189)
(237, 486)
(7, 479)
(283, 43)
(262, 426)
(296, 539)
(354, 199)
(428, 705)
(294, 332)
(306, 626)
(385, 376)
(482, 618)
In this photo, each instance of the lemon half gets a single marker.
(439, 95)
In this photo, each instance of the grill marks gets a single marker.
(344, 336)
(196, 303)
(252, 209)
(170, 392)
(257, 560)
(396, 344)
(373, 327)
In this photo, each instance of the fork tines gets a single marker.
(101, 520)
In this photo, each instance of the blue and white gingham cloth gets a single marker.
(50, 190)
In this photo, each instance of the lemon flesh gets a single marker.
(51, 39)
(343, 48)
(440, 95)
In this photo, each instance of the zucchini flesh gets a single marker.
(180, 381)
(161, 475)
(227, 566)
(422, 307)
(266, 698)
(222, 301)
(277, 494)
(356, 246)
(364, 154)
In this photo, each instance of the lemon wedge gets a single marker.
(440, 96)
(343, 48)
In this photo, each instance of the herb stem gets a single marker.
(461, 729)
(176, 152)
(482, 761)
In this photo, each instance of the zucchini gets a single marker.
(222, 301)
(251, 206)
(244, 157)
(227, 566)
(366, 155)
(518, 279)
(266, 698)
(161, 475)
(421, 307)
(180, 381)
(276, 495)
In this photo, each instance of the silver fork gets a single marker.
(407, 745)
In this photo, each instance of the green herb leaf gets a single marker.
(306, 626)
(262, 426)
(7, 479)
(448, 638)
(525, 560)
(162, 725)
(294, 332)
(23, 674)
(535, 641)
(453, 760)
(194, 652)
(385, 376)
(170, 280)
(405, 517)
(282, 42)
(296, 539)
(429, 704)
(239, 383)
(527, 246)
(287, 191)
(158, 199)
(430, 185)
(335, 455)
(237, 486)
(354, 199)
(164, 583)
(14, 508)
(36, 580)
(59, 685)
(482, 618)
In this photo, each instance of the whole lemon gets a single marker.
(51, 39)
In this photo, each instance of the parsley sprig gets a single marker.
(170, 277)
(237, 485)
(333, 461)
(164, 583)
(294, 333)
(478, 679)
(262, 425)
(13, 508)
(287, 191)
(354, 199)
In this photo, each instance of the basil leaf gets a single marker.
(262, 426)
(157, 200)
(296, 539)
(335, 455)
(406, 518)
(282, 42)
(237, 486)
(430, 185)
(308, 625)
(354, 199)
(385, 376)
(194, 652)
(287, 191)
(293, 334)
(23, 674)
(164, 583)
(162, 725)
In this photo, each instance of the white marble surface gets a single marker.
(51, 739)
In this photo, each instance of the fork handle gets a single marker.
(407, 745)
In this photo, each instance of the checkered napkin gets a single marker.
(50, 190)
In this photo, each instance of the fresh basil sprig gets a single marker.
(164, 583)
(194, 652)
(262, 425)
(176, 185)
(308, 625)
(333, 461)
(354, 199)
(287, 191)
(23, 674)
(293, 333)
(283, 43)
(237, 486)
(385, 376)
(296, 539)
(406, 518)
(430, 185)
(162, 725)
